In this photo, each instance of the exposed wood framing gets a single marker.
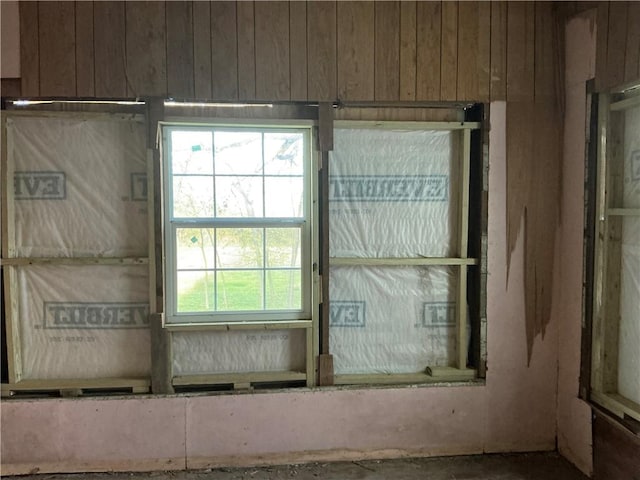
(135, 385)
(239, 378)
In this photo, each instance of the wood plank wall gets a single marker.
(349, 51)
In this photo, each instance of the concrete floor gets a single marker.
(530, 466)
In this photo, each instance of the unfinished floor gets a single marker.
(530, 466)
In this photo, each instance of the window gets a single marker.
(237, 224)
(615, 272)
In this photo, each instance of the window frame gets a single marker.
(603, 280)
(299, 318)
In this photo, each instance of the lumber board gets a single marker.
(298, 49)
(473, 51)
(449, 51)
(355, 27)
(616, 43)
(74, 261)
(146, 49)
(272, 51)
(180, 65)
(29, 49)
(109, 49)
(387, 50)
(408, 50)
(403, 378)
(57, 37)
(85, 68)
(224, 51)
(451, 373)
(602, 24)
(632, 51)
(75, 387)
(238, 378)
(498, 51)
(246, 51)
(202, 50)
(483, 61)
(520, 51)
(439, 261)
(428, 50)
(321, 48)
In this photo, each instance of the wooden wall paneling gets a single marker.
(246, 51)
(109, 49)
(616, 450)
(298, 49)
(355, 50)
(545, 54)
(616, 43)
(408, 50)
(85, 79)
(602, 35)
(224, 51)
(321, 48)
(632, 57)
(29, 49)
(428, 18)
(146, 49)
(520, 51)
(449, 51)
(468, 51)
(272, 51)
(498, 51)
(387, 50)
(85, 68)
(483, 61)
(57, 38)
(202, 50)
(180, 65)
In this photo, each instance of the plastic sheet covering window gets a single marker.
(393, 194)
(84, 322)
(80, 186)
(629, 333)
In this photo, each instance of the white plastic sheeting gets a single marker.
(238, 351)
(629, 334)
(84, 322)
(393, 194)
(80, 185)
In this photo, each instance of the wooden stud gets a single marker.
(29, 49)
(449, 51)
(463, 238)
(298, 49)
(387, 50)
(25, 261)
(238, 378)
(428, 47)
(146, 49)
(109, 49)
(310, 356)
(180, 61)
(408, 50)
(321, 45)
(224, 51)
(355, 50)
(272, 51)
(202, 49)
(246, 51)
(84, 67)
(406, 378)
(424, 261)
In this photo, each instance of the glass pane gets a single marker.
(283, 196)
(239, 290)
(240, 247)
(283, 247)
(191, 152)
(631, 188)
(195, 248)
(238, 153)
(283, 153)
(196, 291)
(192, 197)
(283, 289)
(239, 197)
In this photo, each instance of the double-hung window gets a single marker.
(237, 224)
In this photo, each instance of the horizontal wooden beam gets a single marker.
(434, 261)
(25, 261)
(247, 325)
(238, 378)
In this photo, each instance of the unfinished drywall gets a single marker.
(573, 414)
(514, 411)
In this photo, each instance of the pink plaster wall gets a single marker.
(514, 411)
(574, 415)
